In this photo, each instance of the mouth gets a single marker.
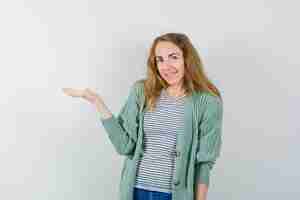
(171, 73)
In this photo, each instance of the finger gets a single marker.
(72, 92)
(89, 91)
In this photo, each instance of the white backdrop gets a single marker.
(53, 147)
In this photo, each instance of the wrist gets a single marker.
(102, 109)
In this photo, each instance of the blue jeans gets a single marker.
(141, 194)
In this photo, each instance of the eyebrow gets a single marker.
(173, 53)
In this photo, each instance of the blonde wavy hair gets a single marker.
(195, 78)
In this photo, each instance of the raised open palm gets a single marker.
(87, 94)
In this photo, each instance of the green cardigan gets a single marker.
(197, 149)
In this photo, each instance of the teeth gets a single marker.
(170, 73)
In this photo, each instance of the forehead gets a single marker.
(165, 48)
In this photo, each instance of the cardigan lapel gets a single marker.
(188, 119)
(185, 141)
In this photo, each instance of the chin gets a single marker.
(175, 82)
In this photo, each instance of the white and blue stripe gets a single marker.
(161, 129)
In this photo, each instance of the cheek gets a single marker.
(181, 69)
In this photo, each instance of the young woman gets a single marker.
(169, 129)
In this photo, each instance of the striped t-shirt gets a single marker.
(161, 128)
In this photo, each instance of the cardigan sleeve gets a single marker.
(210, 140)
(123, 128)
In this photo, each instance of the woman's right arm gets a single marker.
(123, 128)
(103, 110)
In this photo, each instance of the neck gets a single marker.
(175, 90)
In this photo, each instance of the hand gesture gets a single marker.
(86, 94)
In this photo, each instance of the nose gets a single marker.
(166, 64)
(166, 68)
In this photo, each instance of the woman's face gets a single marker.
(170, 62)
